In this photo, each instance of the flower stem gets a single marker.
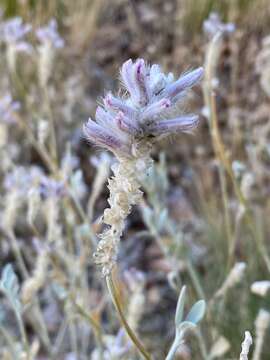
(173, 349)
(116, 301)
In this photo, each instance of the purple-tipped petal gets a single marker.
(103, 117)
(116, 104)
(110, 123)
(127, 75)
(126, 125)
(101, 136)
(181, 124)
(155, 109)
(141, 78)
(184, 82)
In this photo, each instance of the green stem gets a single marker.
(53, 141)
(22, 331)
(202, 345)
(115, 298)
(227, 218)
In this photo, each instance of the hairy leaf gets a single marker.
(197, 312)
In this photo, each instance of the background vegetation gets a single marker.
(204, 220)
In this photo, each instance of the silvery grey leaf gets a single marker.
(9, 285)
(163, 216)
(197, 312)
(148, 216)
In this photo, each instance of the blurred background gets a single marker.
(204, 219)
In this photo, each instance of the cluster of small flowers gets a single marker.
(49, 34)
(125, 192)
(50, 41)
(122, 123)
(51, 188)
(213, 25)
(13, 32)
(24, 179)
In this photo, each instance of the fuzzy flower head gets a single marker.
(22, 179)
(49, 34)
(146, 113)
(13, 31)
(213, 24)
(50, 188)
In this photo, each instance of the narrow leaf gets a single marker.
(163, 217)
(9, 285)
(180, 307)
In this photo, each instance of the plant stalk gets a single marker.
(116, 301)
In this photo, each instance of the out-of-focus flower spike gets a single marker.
(184, 123)
(141, 79)
(100, 136)
(116, 104)
(124, 124)
(213, 24)
(49, 35)
(155, 109)
(184, 82)
(23, 46)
